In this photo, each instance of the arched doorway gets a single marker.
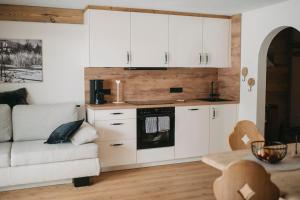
(278, 86)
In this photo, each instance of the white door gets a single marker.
(222, 121)
(149, 40)
(109, 38)
(216, 42)
(191, 131)
(185, 41)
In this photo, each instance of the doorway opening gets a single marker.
(282, 100)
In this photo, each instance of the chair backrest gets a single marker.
(243, 134)
(245, 180)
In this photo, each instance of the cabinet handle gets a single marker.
(206, 58)
(116, 145)
(166, 58)
(128, 57)
(193, 109)
(214, 113)
(116, 113)
(200, 56)
(116, 124)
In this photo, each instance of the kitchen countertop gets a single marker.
(108, 106)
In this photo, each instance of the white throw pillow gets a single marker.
(85, 134)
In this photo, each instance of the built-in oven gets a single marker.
(155, 127)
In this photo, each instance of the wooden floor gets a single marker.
(169, 182)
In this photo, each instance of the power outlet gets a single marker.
(176, 90)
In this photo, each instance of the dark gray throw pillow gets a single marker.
(13, 98)
(64, 132)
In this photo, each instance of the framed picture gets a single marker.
(21, 61)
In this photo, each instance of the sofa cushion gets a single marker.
(15, 97)
(36, 152)
(37, 122)
(5, 123)
(64, 132)
(5, 148)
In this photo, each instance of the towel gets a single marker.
(163, 124)
(151, 125)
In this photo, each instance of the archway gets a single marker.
(270, 96)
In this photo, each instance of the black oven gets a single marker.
(155, 127)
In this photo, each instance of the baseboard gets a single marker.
(25, 186)
(134, 166)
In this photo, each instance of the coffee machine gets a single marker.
(97, 92)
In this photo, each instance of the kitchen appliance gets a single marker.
(97, 92)
(155, 127)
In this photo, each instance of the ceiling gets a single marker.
(225, 7)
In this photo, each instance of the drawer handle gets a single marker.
(116, 124)
(116, 113)
(193, 109)
(116, 145)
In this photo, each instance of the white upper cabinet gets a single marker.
(216, 42)
(191, 131)
(149, 40)
(109, 33)
(124, 39)
(185, 41)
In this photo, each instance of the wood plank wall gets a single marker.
(153, 85)
(40, 14)
(229, 78)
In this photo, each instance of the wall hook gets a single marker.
(244, 73)
(251, 83)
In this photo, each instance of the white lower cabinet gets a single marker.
(222, 121)
(117, 152)
(199, 130)
(191, 131)
(117, 135)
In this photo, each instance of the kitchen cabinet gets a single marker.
(191, 131)
(109, 38)
(149, 40)
(216, 42)
(117, 135)
(222, 121)
(186, 41)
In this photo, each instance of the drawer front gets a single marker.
(117, 152)
(115, 114)
(116, 129)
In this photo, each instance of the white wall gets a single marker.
(258, 29)
(65, 54)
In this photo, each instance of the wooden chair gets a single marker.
(245, 180)
(243, 134)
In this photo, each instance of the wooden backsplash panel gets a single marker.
(153, 85)
(229, 78)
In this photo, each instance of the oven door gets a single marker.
(155, 130)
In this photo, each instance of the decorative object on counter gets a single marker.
(273, 152)
(251, 83)
(97, 92)
(21, 61)
(118, 82)
(244, 73)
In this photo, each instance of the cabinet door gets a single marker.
(216, 42)
(149, 40)
(191, 131)
(109, 38)
(185, 41)
(222, 121)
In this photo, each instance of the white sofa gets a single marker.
(25, 160)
